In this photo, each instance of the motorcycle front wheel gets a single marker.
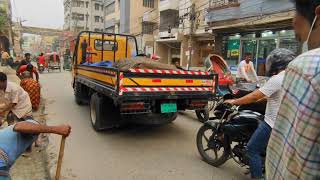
(203, 115)
(212, 147)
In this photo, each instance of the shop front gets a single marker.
(258, 44)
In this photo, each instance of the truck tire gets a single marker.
(78, 94)
(103, 113)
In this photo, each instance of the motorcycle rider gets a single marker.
(276, 64)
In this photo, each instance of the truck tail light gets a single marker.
(133, 106)
(199, 103)
(156, 80)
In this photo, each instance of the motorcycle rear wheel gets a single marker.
(213, 140)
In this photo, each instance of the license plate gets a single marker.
(168, 108)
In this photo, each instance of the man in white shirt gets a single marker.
(276, 63)
(246, 71)
(14, 99)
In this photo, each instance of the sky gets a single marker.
(39, 13)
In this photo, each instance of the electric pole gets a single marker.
(192, 21)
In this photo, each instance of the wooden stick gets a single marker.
(61, 153)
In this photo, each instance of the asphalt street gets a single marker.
(133, 152)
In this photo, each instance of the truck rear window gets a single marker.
(107, 45)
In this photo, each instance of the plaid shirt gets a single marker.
(294, 145)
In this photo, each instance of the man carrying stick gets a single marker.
(15, 139)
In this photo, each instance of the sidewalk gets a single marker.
(34, 166)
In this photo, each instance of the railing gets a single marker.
(222, 4)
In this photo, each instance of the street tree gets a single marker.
(4, 20)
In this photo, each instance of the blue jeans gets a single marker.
(256, 147)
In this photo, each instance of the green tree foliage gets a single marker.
(3, 19)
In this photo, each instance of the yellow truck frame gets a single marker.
(116, 96)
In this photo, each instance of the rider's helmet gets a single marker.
(278, 60)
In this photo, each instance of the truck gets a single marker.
(143, 95)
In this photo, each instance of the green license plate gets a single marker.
(168, 108)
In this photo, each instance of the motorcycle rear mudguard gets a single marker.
(242, 125)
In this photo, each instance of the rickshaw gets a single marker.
(53, 61)
(216, 64)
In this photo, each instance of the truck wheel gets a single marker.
(103, 113)
(78, 94)
(203, 115)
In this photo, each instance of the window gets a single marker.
(78, 3)
(110, 8)
(96, 18)
(221, 4)
(76, 16)
(87, 4)
(110, 29)
(147, 28)
(96, 6)
(81, 4)
(148, 3)
(107, 45)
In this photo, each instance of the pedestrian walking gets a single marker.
(294, 146)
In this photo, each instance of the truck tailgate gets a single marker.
(149, 82)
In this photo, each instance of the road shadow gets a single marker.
(178, 129)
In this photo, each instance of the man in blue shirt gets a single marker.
(15, 139)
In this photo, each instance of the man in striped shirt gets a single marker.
(294, 146)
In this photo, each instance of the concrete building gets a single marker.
(255, 27)
(138, 18)
(82, 15)
(181, 21)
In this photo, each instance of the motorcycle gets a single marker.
(226, 135)
(237, 91)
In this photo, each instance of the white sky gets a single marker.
(39, 13)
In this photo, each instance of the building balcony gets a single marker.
(222, 4)
(174, 35)
(168, 5)
(151, 16)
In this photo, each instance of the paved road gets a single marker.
(135, 152)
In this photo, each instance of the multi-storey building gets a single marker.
(138, 18)
(255, 27)
(183, 31)
(84, 15)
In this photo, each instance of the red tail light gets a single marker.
(198, 103)
(133, 106)
(156, 80)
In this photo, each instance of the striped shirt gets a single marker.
(294, 146)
